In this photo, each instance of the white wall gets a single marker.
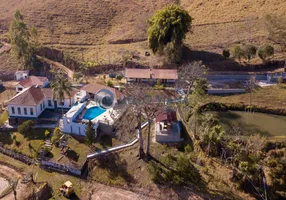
(22, 111)
(74, 128)
(21, 76)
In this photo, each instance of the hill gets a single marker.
(103, 30)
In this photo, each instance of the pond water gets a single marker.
(252, 123)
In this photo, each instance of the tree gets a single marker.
(250, 51)
(250, 86)
(238, 53)
(168, 26)
(26, 128)
(189, 73)
(50, 19)
(61, 86)
(19, 36)
(226, 53)
(201, 87)
(265, 52)
(56, 135)
(90, 133)
(143, 105)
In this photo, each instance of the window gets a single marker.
(25, 111)
(19, 110)
(31, 111)
(20, 89)
(13, 110)
(44, 105)
(49, 102)
(62, 103)
(41, 106)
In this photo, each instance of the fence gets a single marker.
(61, 168)
(23, 158)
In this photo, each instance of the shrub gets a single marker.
(238, 53)
(226, 53)
(265, 52)
(56, 136)
(26, 128)
(250, 51)
(47, 133)
(188, 149)
(119, 77)
(109, 83)
(280, 80)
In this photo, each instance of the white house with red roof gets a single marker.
(38, 81)
(32, 101)
(151, 75)
(167, 127)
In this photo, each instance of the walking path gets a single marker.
(58, 65)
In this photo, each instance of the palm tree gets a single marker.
(61, 86)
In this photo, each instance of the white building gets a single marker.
(21, 75)
(32, 101)
(38, 81)
(151, 75)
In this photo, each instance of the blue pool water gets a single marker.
(93, 112)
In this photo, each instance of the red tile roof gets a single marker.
(95, 87)
(33, 80)
(154, 73)
(33, 96)
(166, 115)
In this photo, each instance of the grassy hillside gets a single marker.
(103, 30)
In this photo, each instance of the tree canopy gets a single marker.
(22, 47)
(168, 26)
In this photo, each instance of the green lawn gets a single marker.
(21, 144)
(76, 155)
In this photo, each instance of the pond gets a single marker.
(252, 123)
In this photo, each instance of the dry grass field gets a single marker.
(103, 30)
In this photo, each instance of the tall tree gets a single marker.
(90, 133)
(168, 27)
(250, 86)
(51, 27)
(19, 36)
(61, 86)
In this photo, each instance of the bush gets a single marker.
(57, 135)
(109, 83)
(250, 51)
(226, 53)
(265, 52)
(47, 133)
(26, 128)
(119, 77)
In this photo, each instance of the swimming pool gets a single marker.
(93, 112)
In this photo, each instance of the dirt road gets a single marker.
(13, 174)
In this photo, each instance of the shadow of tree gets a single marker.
(71, 154)
(116, 167)
(6, 138)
